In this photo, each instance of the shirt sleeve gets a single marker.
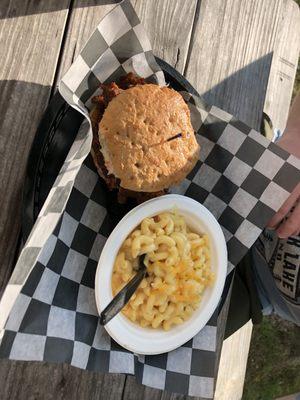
(276, 267)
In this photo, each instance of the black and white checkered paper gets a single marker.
(48, 310)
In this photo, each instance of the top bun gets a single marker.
(135, 133)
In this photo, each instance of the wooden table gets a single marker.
(241, 55)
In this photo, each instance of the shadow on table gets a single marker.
(22, 105)
(243, 93)
(19, 8)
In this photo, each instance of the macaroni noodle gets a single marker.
(178, 271)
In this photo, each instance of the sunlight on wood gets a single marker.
(232, 369)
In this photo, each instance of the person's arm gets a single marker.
(290, 141)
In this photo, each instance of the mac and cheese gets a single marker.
(178, 271)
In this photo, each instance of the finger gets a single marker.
(296, 233)
(285, 208)
(291, 225)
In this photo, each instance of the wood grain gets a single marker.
(29, 48)
(168, 31)
(232, 368)
(168, 24)
(232, 50)
(132, 388)
(83, 21)
(11, 9)
(30, 41)
(284, 64)
(42, 381)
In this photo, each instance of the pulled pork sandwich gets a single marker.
(143, 139)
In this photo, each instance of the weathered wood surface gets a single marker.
(30, 42)
(225, 48)
(41, 381)
(233, 48)
(169, 28)
(232, 368)
(284, 64)
(168, 31)
(82, 22)
(29, 48)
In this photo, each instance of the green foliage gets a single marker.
(297, 79)
(274, 361)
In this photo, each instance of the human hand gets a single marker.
(287, 220)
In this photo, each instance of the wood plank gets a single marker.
(29, 48)
(83, 22)
(134, 390)
(233, 362)
(284, 64)
(232, 50)
(169, 33)
(168, 24)
(11, 8)
(44, 381)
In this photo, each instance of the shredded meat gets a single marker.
(111, 181)
(130, 80)
(140, 197)
(109, 91)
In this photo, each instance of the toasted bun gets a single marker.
(134, 134)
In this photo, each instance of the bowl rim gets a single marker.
(139, 213)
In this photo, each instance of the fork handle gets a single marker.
(122, 298)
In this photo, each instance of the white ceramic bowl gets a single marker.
(155, 341)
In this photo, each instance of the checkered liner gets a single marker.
(119, 45)
(241, 177)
